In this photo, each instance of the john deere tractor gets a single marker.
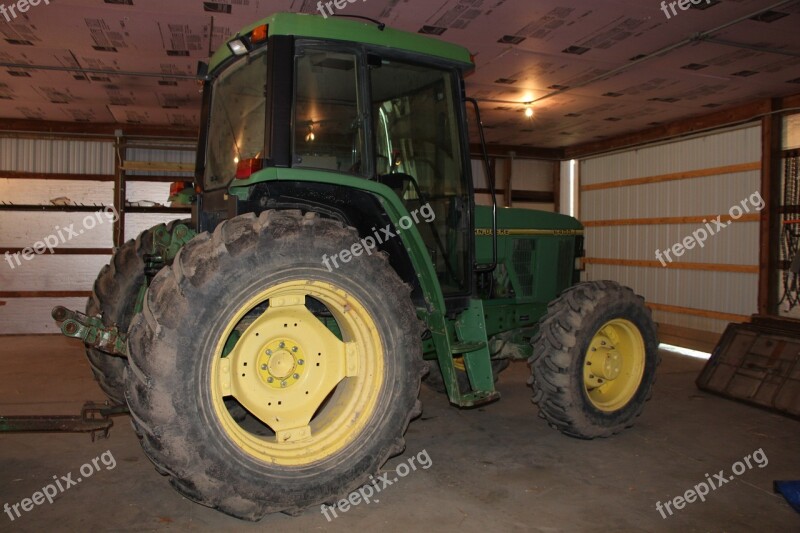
(271, 349)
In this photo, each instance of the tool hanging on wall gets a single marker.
(790, 233)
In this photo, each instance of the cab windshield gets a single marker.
(237, 120)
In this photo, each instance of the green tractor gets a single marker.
(271, 349)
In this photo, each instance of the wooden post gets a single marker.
(557, 186)
(119, 192)
(509, 181)
(769, 229)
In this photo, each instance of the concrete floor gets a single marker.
(497, 468)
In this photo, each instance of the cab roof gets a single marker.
(343, 29)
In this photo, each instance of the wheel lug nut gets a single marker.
(269, 352)
(294, 348)
(282, 344)
(300, 362)
(296, 376)
(264, 367)
(283, 383)
(270, 379)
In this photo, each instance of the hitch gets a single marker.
(91, 331)
(94, 418)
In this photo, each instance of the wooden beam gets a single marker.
(752, 217)
(674, 265)
(7, 174)
(157, 209)
(158, 179)
(102, 129)
(705, 313)
(45, 294)
(690, 174)
(157, 166)
(694, 339)
(523, 152)
(540, 197)
(671, 130)
(59, 208)
(61, 250)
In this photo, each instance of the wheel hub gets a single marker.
(281, 363)
(614, 364)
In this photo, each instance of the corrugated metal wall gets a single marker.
(21, 229)
(617, 248)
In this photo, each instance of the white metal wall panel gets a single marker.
(56, 156)
(39, 192)
(532, 175)
(21, 316)
(138, 191)
(135, 223)
(730, 246)
(49, 272)
(742, 145)
(19, 229)
(699, 196)
(736, 244)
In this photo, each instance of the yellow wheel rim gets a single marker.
(614, 365)
(308, 393)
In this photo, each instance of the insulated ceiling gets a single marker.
(525, 50)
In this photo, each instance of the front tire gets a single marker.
(263, 382)
(594, 360)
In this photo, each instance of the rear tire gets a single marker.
(243, 426)
(594, 360)
(113, 299)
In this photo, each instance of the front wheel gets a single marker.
(262, 381)
(594, 359)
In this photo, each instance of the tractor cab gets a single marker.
(281, 103)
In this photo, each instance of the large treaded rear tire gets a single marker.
(561, 350)
(113, 298)
(175, 353)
